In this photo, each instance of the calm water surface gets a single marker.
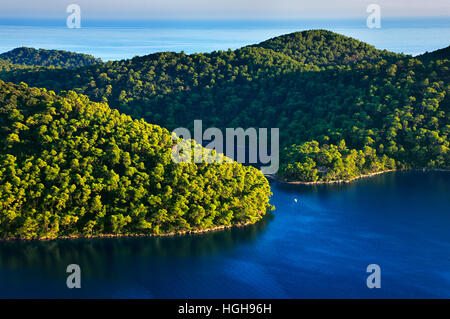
(318, 246)
(115, 40)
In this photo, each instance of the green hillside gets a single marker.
(72, 167)
(324, 48)
(42, 57)
(440, 54)
(343, 107)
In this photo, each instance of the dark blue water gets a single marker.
(317, 247)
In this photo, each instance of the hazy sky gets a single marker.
(221, 9)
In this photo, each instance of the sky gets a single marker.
(221, 9)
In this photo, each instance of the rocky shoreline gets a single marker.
(171, 234)
(343, 181)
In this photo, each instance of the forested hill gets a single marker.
(143, 86)
(72, 167)
(42, 57)
(216, 87)
(324, 48)
(343, 107)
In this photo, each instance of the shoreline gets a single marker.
(171, 234)
(223, 227)
(346, 181)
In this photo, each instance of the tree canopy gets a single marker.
(42, 57)
(72, 167)
(344, 108)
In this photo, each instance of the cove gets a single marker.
(316, 244)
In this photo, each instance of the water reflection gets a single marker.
(317, 247)
(97, 254)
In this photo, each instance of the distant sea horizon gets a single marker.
(123, 39)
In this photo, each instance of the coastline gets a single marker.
(171, 234)
(223, 227)
(346, 181)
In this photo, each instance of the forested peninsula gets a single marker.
(70, 167)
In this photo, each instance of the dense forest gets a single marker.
(324, 49)
(343, 107)
(72, 167)
(440, 54)
(41, 57)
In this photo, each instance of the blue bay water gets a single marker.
(317, 247)
(115, 40)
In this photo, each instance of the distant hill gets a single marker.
(343, 107)
(324, 48)
(143, 86)
(41, 57)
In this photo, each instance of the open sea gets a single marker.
(116, 40)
